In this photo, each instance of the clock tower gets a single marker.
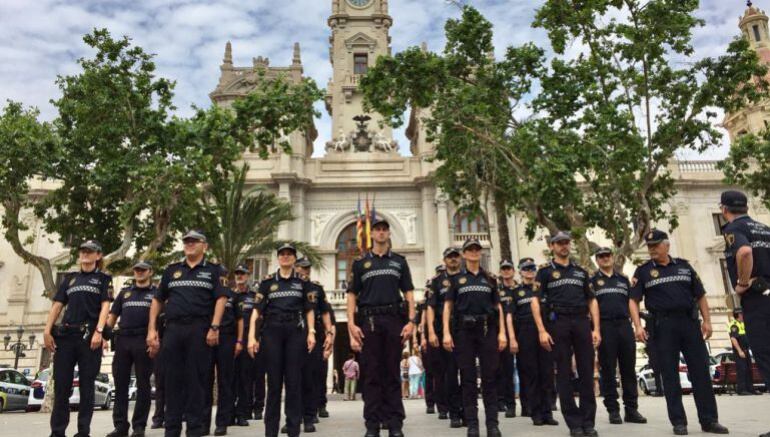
(359, 35)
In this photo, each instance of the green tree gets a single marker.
(748, 165)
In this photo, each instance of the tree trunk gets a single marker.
(504, 236)
(13, 226)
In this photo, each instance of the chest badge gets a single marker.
(274, 287)
(522, 293)
(127, 295)
(72, 282)
(463, 280)
(367, 264)
(445, 283)
(556, 274)
(654, 273)
(312, 297)
(177, 274)
(258, 298)
(600, 282)
(729, 239)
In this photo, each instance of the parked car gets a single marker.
(647, 380)
(725, 376)
(102, 391)
(14, 390)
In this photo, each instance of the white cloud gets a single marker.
(44, 38)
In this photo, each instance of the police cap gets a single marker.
(526, 263)
(242, 268)
(380, 221)
(603, 251)
(506, 264)
(91, 245)
(451, 251)
(471, 242)
(560, 236)
(194, 234)
(655, 236)
(142, 265)
(287, 246)
(303, 262)
(733, 199)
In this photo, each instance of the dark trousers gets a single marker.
(618, 348)
(680, 333)
(572, 335)
(246, 370)
(505, 395)
(380, 369)
(652, 358)
(160, 388)
(470, 344)
(311, 382)
(131, 351)
(535, 366)
(446, 387)
(322, 399)
(756, 314)
(188, 359)
(260, 381)
(430, 386)
(285, 349)
(72, 350)
(223, 359)
(744, 379)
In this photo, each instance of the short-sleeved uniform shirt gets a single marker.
(82, 293)
(232, 312)
(673, 287)
(380, 280)
(278, 295)
(744, 231)
(612, 295)
(192, 291)
(245, 302)
(132, 305)
(563, 286)
(473, 294)
(439, 286)
(521, 301)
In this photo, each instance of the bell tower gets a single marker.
(359, 35)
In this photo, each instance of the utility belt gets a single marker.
(65, 329)
(285, 319)
(227, 330)
(615, 319)
(523, 319)
(691, 313)
(555, 311)
(760, 286)
(188, 320)
(394, 309)
(130, 332)
(467, 322)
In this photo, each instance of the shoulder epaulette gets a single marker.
(268, 276)
(316, 283)
(543, 265)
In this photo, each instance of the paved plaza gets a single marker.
(745, 416)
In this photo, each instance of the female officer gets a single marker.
(480, 332)
(286, 302)
(78, 340)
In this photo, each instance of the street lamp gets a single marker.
(18, 347)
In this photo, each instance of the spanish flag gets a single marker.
(359, 227)
(368, 225)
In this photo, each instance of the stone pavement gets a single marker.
(745, 416)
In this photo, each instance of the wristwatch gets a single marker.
(312, 331)
(99, 330)
(214, 327)
(415, 321)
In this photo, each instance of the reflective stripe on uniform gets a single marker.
(199, 284)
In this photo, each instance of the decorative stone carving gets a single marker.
(318, 221)
(383, 144)
(362, 139)
(408, 221)
(339, 144)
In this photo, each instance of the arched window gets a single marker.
(464, 224)
(347, 251)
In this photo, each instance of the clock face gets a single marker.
(359, 3)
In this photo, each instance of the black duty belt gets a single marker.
(381, 310)
(476, 320)
(614, 319)
(128, 332)
(188, 320)
(569, 311)
(73, 329)
(283, 318)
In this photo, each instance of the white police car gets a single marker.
(15, 390)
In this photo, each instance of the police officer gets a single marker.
(381, 328)
(286, 300)
(244, 364)
(506, 398)
(618, 348)
(479, 329)
(313, 366)
(674, 293)
(85, 297)
(534, 362)
(747, 250)
(652, 353)
(132, 306)
(159, 372)
(425, 353)
(193, 293)
(741, 355)
(322, 399)
(566, 288)
(223, 360)
(447, 388)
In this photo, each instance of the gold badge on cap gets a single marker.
(177, 274)
(367, 264)
(556, 274)
(274, 287)
(463, 280)
(654, 273)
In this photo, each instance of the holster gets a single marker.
(760, 286)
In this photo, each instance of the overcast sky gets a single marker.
(42, 38)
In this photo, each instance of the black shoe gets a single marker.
(501, 408)
(714, 428)
(284, 430)
(372, 432)
(615, 418)
(633, 416)
(323, 413)
(680, 430)
(577, 432)
(430, 410)
(473, 431)
(443, 416)
(744, 393)
(137, 433)
(494, 432)
(156, 425)
(551, 421)
(396, 433)
(241, 422)
(509, 413)
(525, 412)
(538, 422)
(383, 426)
(455, 423)
(309, 427)
(220, 430)
(206, 432)
(116, 433)
(590, 432)
(257, 415)
(315, 419)
(767, 434)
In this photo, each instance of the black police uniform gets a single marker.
(283, 303)
(159, 372)
(313, 365)
(744, 231)
(427, 361)
(476, 326)
(82, 293)
(132, 306)
(189, 294)
(322, 399)
(447, 389)
(377, 281)
(244, 363)
(652, 353)
(535, 364)
(223, 359)
(506, 398)
(671, 292)
(618, 346)
(567, 292)
(744, 379)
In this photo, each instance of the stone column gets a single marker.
(284, 192)
(300, 221)
(428, 234)
(443, 221)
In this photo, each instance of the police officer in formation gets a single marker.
(131, 309)
(159, 372)
(506, 397)
(245, 368)
(535, 363)
(747, 251)
(566, 287)
(322, 399)
(474, 328)
(85, 298)
(425, 353)
(379, 325)
(618, 347)
(222, 367)
(673, 295)
(447, 387)
(193, 293)
(286, 300)
(741, 355)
